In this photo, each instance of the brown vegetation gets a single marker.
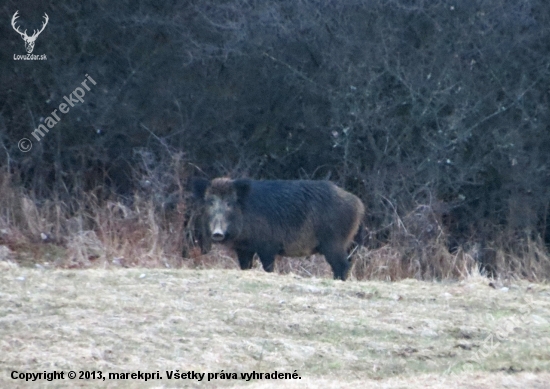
(110, 234)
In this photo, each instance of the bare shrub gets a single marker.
(417, 248)
(83, 248)
(517, 258)
(91, 231)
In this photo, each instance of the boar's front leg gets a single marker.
(245, 259)
(267, 257)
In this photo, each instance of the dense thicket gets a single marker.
(403, 102)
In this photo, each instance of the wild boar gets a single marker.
(290, 218)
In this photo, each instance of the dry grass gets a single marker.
(144, 232)
(407, 334)
(98, 234)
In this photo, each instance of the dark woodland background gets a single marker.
(434, 112)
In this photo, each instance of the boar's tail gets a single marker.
(360, 238)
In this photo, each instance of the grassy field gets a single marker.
(407, 334)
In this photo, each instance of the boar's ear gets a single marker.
(199, 186)
(242, 187)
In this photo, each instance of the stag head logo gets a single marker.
(29, 40)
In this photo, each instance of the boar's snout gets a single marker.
(218, 235)
(219, 226)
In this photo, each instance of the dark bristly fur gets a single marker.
(290, 218)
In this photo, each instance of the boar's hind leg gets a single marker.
(245, 259)
(338, 260)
